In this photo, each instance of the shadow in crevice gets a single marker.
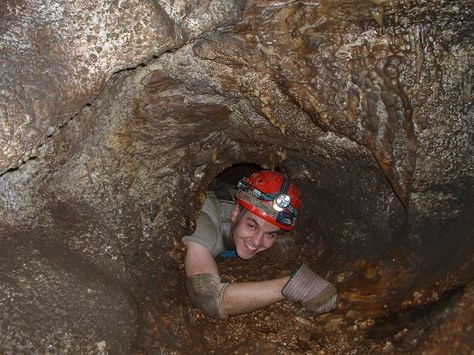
(416, 322)
(227, 181)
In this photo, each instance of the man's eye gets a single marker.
(271, 235)
(251, 226)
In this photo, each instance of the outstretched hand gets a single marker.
(315, 293)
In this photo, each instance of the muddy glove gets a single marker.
(315, 294)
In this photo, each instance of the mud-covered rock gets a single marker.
(53, 300)
(366, 105)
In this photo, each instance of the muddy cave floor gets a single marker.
(436, 324)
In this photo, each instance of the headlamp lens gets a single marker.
(283, 200)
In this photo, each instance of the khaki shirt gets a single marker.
(212, 225)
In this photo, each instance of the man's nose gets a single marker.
(259, 239)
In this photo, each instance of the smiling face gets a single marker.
(251, 233)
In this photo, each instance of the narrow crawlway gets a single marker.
(432, 324)
(372, 317)
(116, 117)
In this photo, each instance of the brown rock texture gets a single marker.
(115, 117)
(57, 56)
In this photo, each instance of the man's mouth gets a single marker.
(250, 247)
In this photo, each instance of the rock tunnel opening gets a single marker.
(352, 230)
(367, 105)
(372, 317)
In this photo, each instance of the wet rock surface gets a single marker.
(116, 117)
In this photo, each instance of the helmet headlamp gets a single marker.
(279, 202)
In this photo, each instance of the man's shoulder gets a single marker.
(208, 231)
(211, 204)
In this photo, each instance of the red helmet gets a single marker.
(271, 196)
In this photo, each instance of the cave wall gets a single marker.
(377, 81)
(57, 56)
(367, 106)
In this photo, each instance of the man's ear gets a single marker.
(235, 212)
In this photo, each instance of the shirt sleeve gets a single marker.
(208, 230)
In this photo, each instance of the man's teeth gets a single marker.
(250, 247)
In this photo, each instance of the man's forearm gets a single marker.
(243, 297)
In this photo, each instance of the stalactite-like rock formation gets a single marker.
(115, 117)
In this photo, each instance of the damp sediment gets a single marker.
(117, 117)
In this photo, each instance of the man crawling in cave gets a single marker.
(264, 208)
